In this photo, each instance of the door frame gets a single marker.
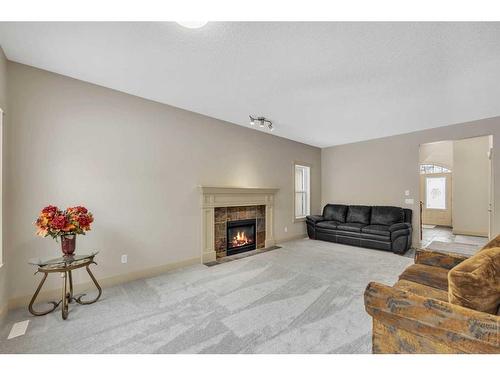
(491, 209)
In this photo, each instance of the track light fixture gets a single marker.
(262, 121)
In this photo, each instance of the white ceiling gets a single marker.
(321, 83)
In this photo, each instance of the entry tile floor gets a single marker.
(445, 234)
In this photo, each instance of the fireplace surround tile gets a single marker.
(233, 213)
(261, 224)
(261, 240)
(220, 230)
(261, 211)
(220, 246)
(220, 214)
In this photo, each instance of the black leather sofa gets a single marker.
(378, 227)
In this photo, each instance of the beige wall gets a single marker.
(378, 171)
(136, 164)
(3, 105)
(439, 153)
(471, 186)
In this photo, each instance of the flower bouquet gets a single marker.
(65, 224)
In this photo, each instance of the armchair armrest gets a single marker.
(315, 218)
(438, 258)
(405, 322)
(399, 226)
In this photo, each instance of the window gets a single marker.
(432, 168)
(435, 193)
(302, 191)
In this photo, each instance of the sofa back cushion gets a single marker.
(475, 283)
(386, 215)
(359, 214)
(335, 212)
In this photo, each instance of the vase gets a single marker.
(68, 244)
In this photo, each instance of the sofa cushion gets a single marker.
(475, 283)
(327, 225)
(351, 227)
(335, 212)
(422, 290)
(398, 226)
(435, 277)
(381, 230)
(371, 236)
(358, 214)
(386, 215)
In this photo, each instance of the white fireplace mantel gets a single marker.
(219, 196)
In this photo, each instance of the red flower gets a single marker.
(55, 222)
(78, 209)
(50, 210)
(84, 221)
(59, 222)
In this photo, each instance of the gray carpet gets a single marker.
(306, 297)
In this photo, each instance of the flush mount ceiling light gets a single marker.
(192, 24)
(262, 122)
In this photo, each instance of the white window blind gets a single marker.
(302, 191)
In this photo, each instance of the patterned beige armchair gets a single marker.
(429, 311)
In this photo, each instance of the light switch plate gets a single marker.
(407, 192)
(409, 201)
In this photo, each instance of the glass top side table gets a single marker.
(64, 265)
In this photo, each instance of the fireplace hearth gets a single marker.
(241, 236)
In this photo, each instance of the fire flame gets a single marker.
(240, 239)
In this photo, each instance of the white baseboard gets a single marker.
(54, 294)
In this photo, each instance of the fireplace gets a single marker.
(220, 205)
(241, 236)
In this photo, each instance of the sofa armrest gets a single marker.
(431, 322)
(315, 218)
(400, 230)
(438, 258)
(399, 226)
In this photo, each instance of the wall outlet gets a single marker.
(409, 201)
(124, 258)
(286, 229)
(407, 193)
